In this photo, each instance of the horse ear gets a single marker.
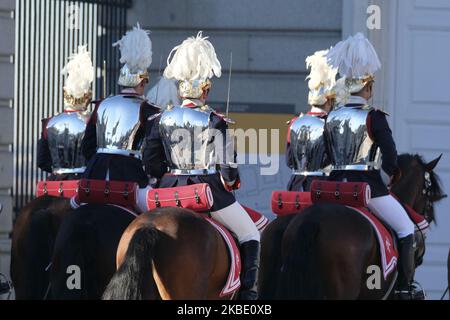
(438, 197)
(432, 164)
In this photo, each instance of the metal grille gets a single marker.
(47, 33)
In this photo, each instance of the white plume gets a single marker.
(79, 72)
(194, 59)
(136, 49)
(354, 57)
(322, 74)
(163, 93)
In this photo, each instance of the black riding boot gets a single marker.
(250, 267)
(406, 268)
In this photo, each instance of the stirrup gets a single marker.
(415, 292)
(403, 295)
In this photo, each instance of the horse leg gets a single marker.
(270, 264)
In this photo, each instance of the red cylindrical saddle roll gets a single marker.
(122, 193)
(197, 197)
(63, 189)
(354, 194)
(289, 202)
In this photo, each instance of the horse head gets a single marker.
(419, 186)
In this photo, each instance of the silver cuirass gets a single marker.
(64, 134)
(187, 138)
(350, 146)
(118, 121)
(308, 145)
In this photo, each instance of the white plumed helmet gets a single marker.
(322, 78)
(80, 74)
(136, 54)
(193, 64)
(356, 60)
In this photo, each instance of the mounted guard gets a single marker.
(117, 128)
(306, 151)
(59, 148)
(359, 137)
(190, 144)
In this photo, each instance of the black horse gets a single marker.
(325, 250)
(84, 258)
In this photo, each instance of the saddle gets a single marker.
(63, 189)
(196, 197)
(354, 195)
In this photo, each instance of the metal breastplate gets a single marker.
(350, 146)
(118, 121)
(186, 138)
(308, 145)
(64, 134)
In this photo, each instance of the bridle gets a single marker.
(427, 193)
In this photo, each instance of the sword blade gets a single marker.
(229, 83)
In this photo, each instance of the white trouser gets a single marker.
(141, 199)
(391, 211)
(235, 218)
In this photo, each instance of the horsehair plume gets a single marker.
(79, 72)
(136, 49)
(354, 57)
(322, 74)
(194, 59)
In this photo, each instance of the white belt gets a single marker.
(69, 170)
(129, 153)
(355, 167)
(309, 173)
(191, 172)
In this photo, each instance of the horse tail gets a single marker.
(299, 277)
(134, 275)
(35, 258)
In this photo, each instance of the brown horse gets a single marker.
(170, 253)
(32, 243)
(326, 250)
